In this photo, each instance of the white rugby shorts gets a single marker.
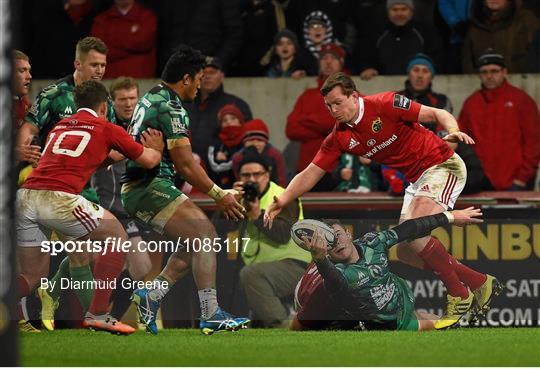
(442, 183)
(39, 212)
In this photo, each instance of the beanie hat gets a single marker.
(333, 49)
(490, 56)
(390, 3)
(255, 129)
(251, 155)
(230, 109)
(288, 34)
(421, 59)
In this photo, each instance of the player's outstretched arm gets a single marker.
(420, 227)
(447, 120)
(152, 141)
(300, 184)
(185, 164)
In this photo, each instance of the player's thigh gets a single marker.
(441, 184)
(189, 221)
(33, 264)
(153, 203)
(71, 216)
(109, 226)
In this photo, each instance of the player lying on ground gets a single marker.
(50, 200)
(357, 285)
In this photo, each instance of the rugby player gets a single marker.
(49, 200)
(152, 197)
(384, 127)
(351, 285)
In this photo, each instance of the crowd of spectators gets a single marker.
(295, 39)
(249, 36)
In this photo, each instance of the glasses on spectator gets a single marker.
(255, 175)
(485, 72)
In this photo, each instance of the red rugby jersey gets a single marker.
(387, 132)
(75, 148)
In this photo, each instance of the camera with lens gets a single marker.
(251, 191)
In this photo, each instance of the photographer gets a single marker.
(273, 262)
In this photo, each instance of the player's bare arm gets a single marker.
(182, 157)
(25, 151)
(447, 120)
(300, 184)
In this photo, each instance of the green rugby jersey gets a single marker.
(370, 280)
(161, 109)
(54, 103)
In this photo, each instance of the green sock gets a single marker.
(85, 294)
(62, 272)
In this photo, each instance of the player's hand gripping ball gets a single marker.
(306, 228)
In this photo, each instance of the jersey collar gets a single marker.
(89, 111)
(360, 112)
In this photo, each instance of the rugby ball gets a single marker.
(306, 228)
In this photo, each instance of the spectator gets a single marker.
(337, 12)
(456, 15)
(318, 32)
(391, 50)
(212, 26)
(503, 25)
(220, 153)
(505, 123)
(310, 122)
(203, 112)
(353, 175)
(129, 30)
(418, 88)
(58, 24)
(420, 73)
(21, 86)
(288, 59)
(255, 133)
(274, 263)
(262, 19)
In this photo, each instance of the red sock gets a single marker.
(106, 268)
(443, 264)
(470, 277)
(23, 290)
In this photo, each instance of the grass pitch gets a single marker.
(279, 347)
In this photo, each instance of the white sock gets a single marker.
(161, 289)
(208, 301)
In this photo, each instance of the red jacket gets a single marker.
(131, 39)
(309, 123)
(505, 123)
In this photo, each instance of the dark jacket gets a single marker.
(203, 119)
(212, 26)
(261, 19)
(221, 172)
(510, 36)
(390, 52)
